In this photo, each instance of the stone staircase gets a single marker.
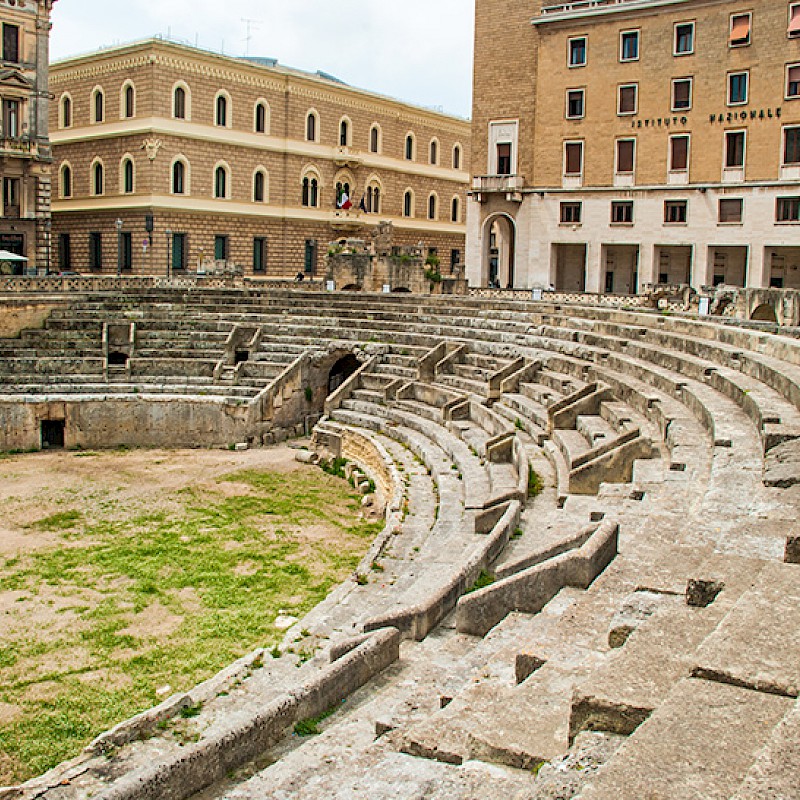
(631, 629)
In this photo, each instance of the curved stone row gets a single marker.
(645, 601)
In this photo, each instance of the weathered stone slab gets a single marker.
(699, 745)
(623, 692)
(758, 644)
(776, 773)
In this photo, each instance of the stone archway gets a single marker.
(764, 313)
(498, 257)
(341, 371)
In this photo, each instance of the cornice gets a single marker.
(228, 70)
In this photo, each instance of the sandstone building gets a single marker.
(169, 158)
(24, 147)
(621, 143)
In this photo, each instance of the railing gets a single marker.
(17, 145)
(498, 183)
(24, 284)
(585, 5)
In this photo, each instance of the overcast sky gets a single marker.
(415, 50)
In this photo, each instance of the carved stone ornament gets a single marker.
(152, 146)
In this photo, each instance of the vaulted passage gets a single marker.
(341, 371)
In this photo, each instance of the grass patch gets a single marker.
(484, 579)
(137, 601)
(310, 727)
(58, 522)
(535, 484)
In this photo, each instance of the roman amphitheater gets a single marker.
(587, 583)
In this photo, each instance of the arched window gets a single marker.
(179, 103)
(128, 101)
(409, 147)
(344, 133)
(311, 127)
(127, 176)
(375, 139)
(97, 178)
(432, 207)
(221, 114)
(310, 197)
(220, 183)
(455, 210)
(434, 152)
(261, 117)
(98, 101)
(66, 181)
(457, 157)
(408, 203)
(179, 177)
(372, 202)
(66, 111)
(260, 186)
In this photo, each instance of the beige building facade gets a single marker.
(625, 143)
(169, 159)
(25, 156)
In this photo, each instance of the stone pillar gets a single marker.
(595, 269)
(758, 268)
(646, 266)
(701, 266)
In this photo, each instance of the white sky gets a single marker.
(419, 51)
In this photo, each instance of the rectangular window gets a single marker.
(675, 212)
(788, 209)
(740, 29)
(310, 257)
(64, 252)
(259, 254)
(627, 99)
(10, 43)
(792, 81)
(678, 153)
(622, 212)
(575, 104)
(730, 211)
(791, 146)
(794, 19)
(95, 250)
(573, 158)
(629, 46)
(126, 250)
(734, 149)
(220, 247)
(737, 88)
(684, 39)
(681, 94)
(455, 259)
(571, 213)
(11, 119)
(503, 159)
(11, 198)
(626, 149)
(179, 251)
(577, 51)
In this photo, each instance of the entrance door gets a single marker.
(52, 434)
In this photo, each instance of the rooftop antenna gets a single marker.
(252, 24)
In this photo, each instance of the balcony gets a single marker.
(587, 6)
(345, 157)
(509, 185)
(17, 146)
(347, 221)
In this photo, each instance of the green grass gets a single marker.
(220, 567)
(310, 727)
(484, 579)
(535, 485)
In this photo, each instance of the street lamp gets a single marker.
(169, 254)
(119, 223)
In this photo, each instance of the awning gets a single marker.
(740, 31)
(794, 24)
(7, 255)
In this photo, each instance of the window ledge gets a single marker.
(730, 224)
(622, 224)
